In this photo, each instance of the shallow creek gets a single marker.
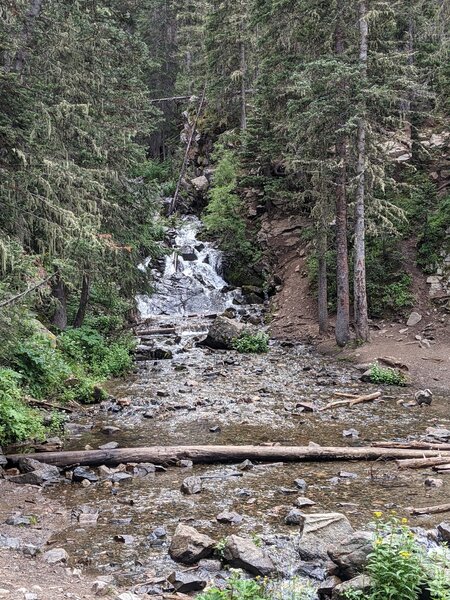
(201, 396)
(251, 399)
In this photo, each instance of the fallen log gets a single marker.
(416, 445)
(430, 510)
(169, 455)
(424, 462)
(442, 468)
(352, 401)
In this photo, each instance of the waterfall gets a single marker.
(191, 281)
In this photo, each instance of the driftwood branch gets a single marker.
(167, 455)
(439, 458)
(413, 445)
(26, 292)
(352, 400)
(171, 99)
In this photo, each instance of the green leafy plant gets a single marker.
(387, 376)
(439, 574)
(17, 420)
(256, 343)
(220, 546)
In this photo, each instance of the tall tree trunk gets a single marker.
(84, 299)
(342, 275)
(360, 290)
(59, 291)
(322, 280)
(243, 87)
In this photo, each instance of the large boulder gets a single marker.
(242, 553)
(360, 584)
(186, 582)
(222, 333)
(350, 555)
(320, 531)
(189, 545)
(444, 532)
(36, 473)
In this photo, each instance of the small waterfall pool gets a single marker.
(191, 282)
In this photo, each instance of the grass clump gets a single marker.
(253, 343)
(387, 376)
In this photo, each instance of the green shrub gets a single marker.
(399, 567)
(17, 420)
(255, 343)
(238, 588)
(387, 376)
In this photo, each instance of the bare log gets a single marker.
(424, 462)
(442, 468)
(430, 510)
(169, 455)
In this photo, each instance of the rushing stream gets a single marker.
(201, 396)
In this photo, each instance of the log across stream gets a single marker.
(167, 455)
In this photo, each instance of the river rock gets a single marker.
(36, 473)
(189, 545)
(222, 333)
(242, 553)
(301, 485)
(438, 433)
(56, 555)
(320, 531)
(186, 582)
(326, 588)
(3, 459)
(357, 584)
(229, 517)
(144, 469)
(9, 543)
(350, 555)
(423, 397)
(294, 517)
(191, 485)
(201, 183)
(444, 531)
(109, 446)
(84, 473)
(303, 502)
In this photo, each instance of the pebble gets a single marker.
(301, 484)
(56, 555)
(109, 446)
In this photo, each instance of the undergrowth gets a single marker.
(387, 376)
(254, 343)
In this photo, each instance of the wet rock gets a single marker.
(414, 319)
(350, 555)
(222, 333)
(76, 428)
(294, 517)
(55, 556)
(186, 582)
(444, 532)
(110, 430)
(229, 517)
(189, 545)
(36, 473)
(191, 485)
(304, 502)
(84, 473)
(438, 433)
(433, 482)
(120, 477)
(320, 531)
(86, 515)
(9, 543)
(423, 397)
(350, 433)
(185, 464)
(150, 353)
(242, 553)
(144, 469)
(124, 539)
(301, 485)
(359, 584)
(326, 588)
(247, 465)
(157, 537)
(188, 253)
(109, 446)
(18, 520)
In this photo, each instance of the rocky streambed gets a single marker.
(204, 396)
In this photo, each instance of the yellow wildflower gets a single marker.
(405, 554)
(404, 520)
(377, 514)
(378, 541)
